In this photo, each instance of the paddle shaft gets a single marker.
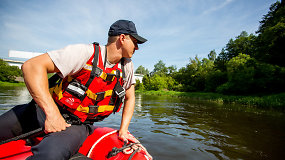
(23, 136)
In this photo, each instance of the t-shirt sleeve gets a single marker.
(129, 71)
(70, 59)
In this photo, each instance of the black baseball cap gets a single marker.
(125, 27)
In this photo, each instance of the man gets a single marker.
(95, 81)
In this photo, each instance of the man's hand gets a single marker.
(126, 137)
(55, 123)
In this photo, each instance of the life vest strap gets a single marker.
(95, 109)
(57, 89)
(100, 73)
(98, 96)
(94, 64)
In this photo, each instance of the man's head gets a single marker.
(125, 27)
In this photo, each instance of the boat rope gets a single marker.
(23, 136)
(116, 150)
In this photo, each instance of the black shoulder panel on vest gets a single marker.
(96, 43)
(94, 67)
(52, 81)
(123, 68)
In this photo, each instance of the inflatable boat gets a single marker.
(103, 144)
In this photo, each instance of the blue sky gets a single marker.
(177, 30)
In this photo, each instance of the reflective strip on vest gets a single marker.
(76, 89)
(101, 109)
(92, 95)
(88, 67)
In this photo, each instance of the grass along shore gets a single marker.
(12, 84)
(274, 101)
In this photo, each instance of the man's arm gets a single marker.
(127, 114)
(35, 75)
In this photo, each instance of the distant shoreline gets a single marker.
(272, 102)
(10, 84)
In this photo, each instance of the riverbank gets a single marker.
(274, 101)
(10, 84)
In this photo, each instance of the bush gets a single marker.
(248, 76)
(8, 73)
(159, 82)
(139, 85)
(215, 79)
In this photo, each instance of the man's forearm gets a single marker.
(35, 75)
(127, 114)
(36, 80)
(128, 109)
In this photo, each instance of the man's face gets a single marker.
(130, 46)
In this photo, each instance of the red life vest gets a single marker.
(94, 92)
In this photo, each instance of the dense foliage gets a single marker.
(8, 73)
(141, 70)
(248, 64)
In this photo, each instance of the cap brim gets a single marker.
(139, 38)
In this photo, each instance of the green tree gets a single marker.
(171, 70)
(159, 82)
(146, 82)
(160, 68)
(139, 85)
(215, 79)
(8, 73)
(212, 55)
(268, 78)
(141, 70)
(243, 43)
(271, 36)
(221, 61)
(240, 76)
(193, 77)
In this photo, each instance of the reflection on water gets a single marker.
(10, 96)
(181, 128)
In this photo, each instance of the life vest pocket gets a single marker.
(70, 100)
(76, 89)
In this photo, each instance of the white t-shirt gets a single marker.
(73, 58)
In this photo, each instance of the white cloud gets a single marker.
(217, 7)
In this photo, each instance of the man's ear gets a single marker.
(122, 38)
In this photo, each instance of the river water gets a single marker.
(185, 129)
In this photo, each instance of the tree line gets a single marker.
(8, 73)
(248, 64)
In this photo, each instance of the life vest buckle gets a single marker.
(120, 91)
(110, 77)
(100, 96)
(98, 71)
(93, 109)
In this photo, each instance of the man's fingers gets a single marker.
(133, 139)
(52, 129)
(68, 125)
(124, 139)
